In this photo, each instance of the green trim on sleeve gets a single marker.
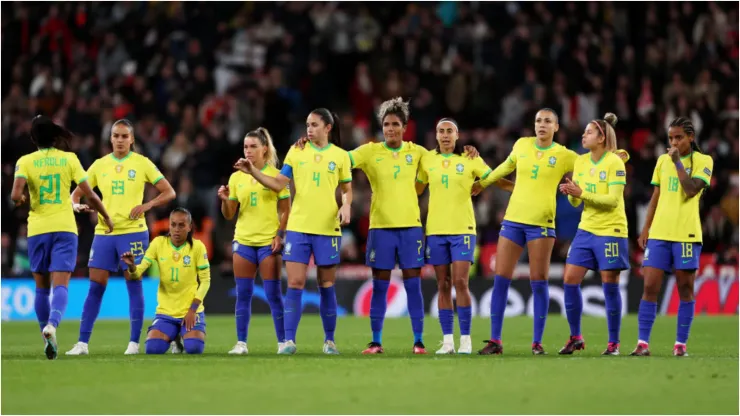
(617, 183)
(154, 182)
(654, 183)
(702, 178)
(205, 266)
(231, 198)
(509, 159)
(21, 176)
(345, 180)
(351, 160)
(148, 259)
(280, 198)
(82, 180)
(485, 175)
(420, 181)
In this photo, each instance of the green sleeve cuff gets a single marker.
(206, 266)
(705, 180)
(485, 175)
(351, 159)
(148, 259)
(231, 198)
(654, 183)
(154, 182)
(617, 183)
(283, 197)
(21, 176)
(420, 181)
(82, 180)
(345, 180)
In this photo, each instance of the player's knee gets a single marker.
(686, 291)
(444, 285)
(651, 291)
(194, 345)
(156, 346)
(461, 283)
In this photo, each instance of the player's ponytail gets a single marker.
(45, 134)
(329, 118)
(182, 210)
(130, 126)
(606, 129)
(261, 134)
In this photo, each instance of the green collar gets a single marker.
(175, 247)
(319, 149)
(392, 149)
(113, 155)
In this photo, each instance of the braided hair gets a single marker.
(688, 128)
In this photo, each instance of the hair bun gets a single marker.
(611, 118)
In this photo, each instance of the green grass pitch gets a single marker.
(706, 382)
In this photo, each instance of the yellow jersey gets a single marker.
(677, 216)
(538, 173)
(49, 174)
(316, 173)
(258, 221)
(391, 172)
(121, 182)
(185, 274)
(450, 178)
(602, 178)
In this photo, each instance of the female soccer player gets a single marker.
(183, 284)
(120, 177)
(258, 239)
(450, 227)
(314, 224)
(601, 241)
(672, 234)
(540, 164)
(52, 231)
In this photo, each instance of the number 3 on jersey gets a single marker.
(535, 170)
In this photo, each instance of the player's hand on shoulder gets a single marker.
(471, 152)
(244, 165)
(224, 193)
(301, 143)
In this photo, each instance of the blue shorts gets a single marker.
(521, 234)
(107, 250)
(173, 326)
(598, 253)
(388, 246)
(667, 255)
(299, 247)
(53, 252)
(444, 249)
(253, 254)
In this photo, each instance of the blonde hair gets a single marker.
(271, 157)
(606, 128)
(394, 106)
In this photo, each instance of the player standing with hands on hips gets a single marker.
(672, 234)
(315, 219)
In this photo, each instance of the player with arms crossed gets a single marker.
(52, 231)
(451, 228)
(540, 164)
(672, 234)
(184, 282)
(315, 218)
(120, 177)
(599, 178)
(258, 239)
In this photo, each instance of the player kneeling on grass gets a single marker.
(599, 178)
(184, 282)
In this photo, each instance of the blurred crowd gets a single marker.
(194, 77)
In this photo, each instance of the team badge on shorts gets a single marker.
(429, 252)
(372, 255)
(287, 249)
(186, 260)
(234, 247)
